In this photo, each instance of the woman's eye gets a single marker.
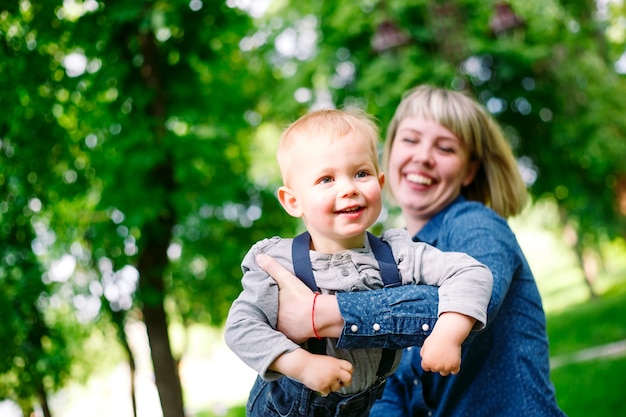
(447, 148)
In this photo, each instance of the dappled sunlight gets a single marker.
(213, 378)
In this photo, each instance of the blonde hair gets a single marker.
(331, 123)
(498, 182)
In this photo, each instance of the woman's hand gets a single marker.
(295, 301)
(295, 305)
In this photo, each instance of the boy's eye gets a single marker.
(361, 174)
(325, 180)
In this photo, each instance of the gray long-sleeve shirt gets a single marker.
(464, 287)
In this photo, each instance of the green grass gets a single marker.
(593, 323)
(596, 387)
(575, 321)
(239, 411)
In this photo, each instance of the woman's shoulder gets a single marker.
(470, 213)
(471, 221)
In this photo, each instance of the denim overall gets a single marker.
(287, 397)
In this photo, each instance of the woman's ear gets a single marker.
(289, 201)
(470, 172)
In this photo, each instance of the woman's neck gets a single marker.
(414, 225)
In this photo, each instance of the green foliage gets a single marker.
(151, 132)
(550, 82)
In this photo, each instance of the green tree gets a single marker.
(38, 344)
(147, 106)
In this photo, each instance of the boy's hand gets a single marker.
(320, 373)
(326, 374)
(440, 355)
(441, 351)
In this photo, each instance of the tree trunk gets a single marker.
(119, 318)
(153, 261)
(156, 236)
(43, 400)
(132, 368)
(165, 367)
(582, 261)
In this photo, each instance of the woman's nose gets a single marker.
(423, 154)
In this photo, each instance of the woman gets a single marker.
(452, 173)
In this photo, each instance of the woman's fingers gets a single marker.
(295, 301)
(282, 276)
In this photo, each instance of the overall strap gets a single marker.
(303, 269)
(386, 261)
(302, 260)
(388, 271)
(391, 278)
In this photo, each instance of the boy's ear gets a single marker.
(381, 179)
(289, 201)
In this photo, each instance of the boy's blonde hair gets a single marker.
(498, 182)
(331, 123)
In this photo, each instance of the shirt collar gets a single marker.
(430, 231)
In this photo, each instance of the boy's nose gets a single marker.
(348, 189)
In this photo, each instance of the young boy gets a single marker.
(332, 180)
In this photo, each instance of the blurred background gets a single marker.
(137, 167)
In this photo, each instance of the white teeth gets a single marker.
(352, 210)
(419, 179)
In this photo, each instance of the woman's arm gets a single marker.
(395, 317)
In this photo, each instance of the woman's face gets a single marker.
(427, 167)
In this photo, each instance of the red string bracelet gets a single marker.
(313, 316)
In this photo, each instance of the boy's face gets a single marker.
(336, 190)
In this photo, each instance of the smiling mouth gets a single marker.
(419, 179)
(349, 210)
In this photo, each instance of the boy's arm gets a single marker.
(250, 330)
(321, 373)
(464, 283)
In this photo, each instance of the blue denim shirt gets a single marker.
(504, 368)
